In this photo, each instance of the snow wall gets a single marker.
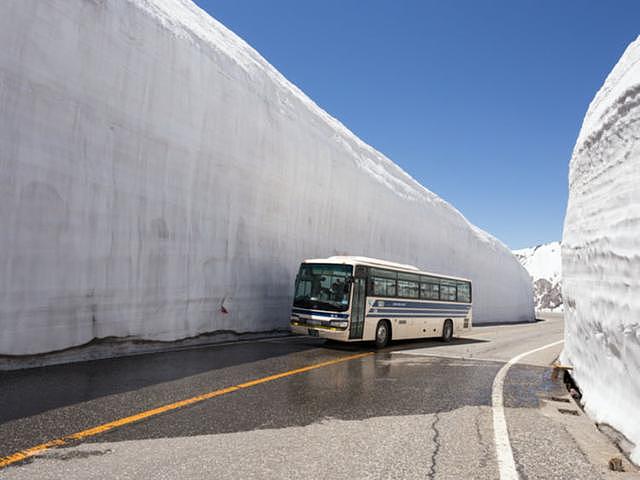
(601, 252)
(155, 168)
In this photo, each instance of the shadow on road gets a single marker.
(396, 345)
(36, 390)
(400, 345)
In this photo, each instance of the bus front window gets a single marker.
(325, 287)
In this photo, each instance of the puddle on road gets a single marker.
(401, 358)
(526, 386)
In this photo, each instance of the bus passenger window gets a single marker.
(407, 289)
(430, 291)
(408, 286)
(429, 288)
(464, 292)
(384, 287)
(384, 282)
(448, 290)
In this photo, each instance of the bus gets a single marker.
(353, 299)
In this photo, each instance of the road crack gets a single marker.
(482, 443)
(436, 450)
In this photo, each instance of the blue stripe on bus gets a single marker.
(426, 307)
(387, 303)
(319, 314)
(422, 305)
(418, 315)
(423, 310)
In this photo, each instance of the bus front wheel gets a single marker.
(447, 331)
(383, 334)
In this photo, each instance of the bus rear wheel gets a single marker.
(447, 331)
(383, 334)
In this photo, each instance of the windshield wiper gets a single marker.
(302, 302)
(308, 303)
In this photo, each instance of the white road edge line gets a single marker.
(504, 454)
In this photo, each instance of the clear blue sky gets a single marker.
(480, 101)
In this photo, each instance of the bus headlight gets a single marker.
(339, 323)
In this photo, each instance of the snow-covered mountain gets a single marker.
(601, 253)
(545, 267)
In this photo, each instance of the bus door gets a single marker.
(358, 303)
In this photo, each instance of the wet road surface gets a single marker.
(414, 410)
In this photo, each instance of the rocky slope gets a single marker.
(543, 263)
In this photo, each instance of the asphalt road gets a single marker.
(414, 410)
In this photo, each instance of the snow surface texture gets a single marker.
(160, 180)
(601, 252)
(545, 267)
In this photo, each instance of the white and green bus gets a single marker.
(353, 299)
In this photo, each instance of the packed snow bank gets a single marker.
(160, 179)
(544, 264)
(601, 252)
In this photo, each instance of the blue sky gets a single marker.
(480, 101)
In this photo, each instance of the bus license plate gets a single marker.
(313, 332)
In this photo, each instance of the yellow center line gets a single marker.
(29, 452)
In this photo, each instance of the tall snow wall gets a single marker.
(154, 168)
(601, 252)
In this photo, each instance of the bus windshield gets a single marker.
(325, 287)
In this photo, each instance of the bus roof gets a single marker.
(375, 262)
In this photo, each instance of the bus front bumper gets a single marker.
(333, 333)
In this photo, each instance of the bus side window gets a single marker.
(384, 282)
(408, 285)
(429, 288)
(370, 286)
(464, 292)
(448, 290)
(384, 287)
